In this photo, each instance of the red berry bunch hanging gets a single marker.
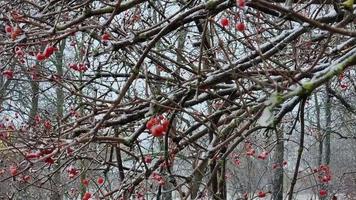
(78, 67)
(158, 178)
(49, 50)
(263, 155)
(250, 151)
(158, 126)
(72, 171)
(324, 174)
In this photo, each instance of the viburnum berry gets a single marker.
(261, 194)
(73, 66)
(19, 52)
(148, 159)
(85, 182)
(40, 57)
(82, 67)
(105, 37)
(87, 196)
(240, 26)
(49, 161)
(275, 166)
(343, 86)
(48, 124)
(8, 29)
(240, 3)
(153, 121)
(224, 21)
(9, 74)
(72, 171)
(263, 155)
(13, 170)
(326, 178)
(323, 193)
(165, 123)
(285, 163)
(157, 130)
(251, 152)
(100, 180)
(49, 51)
(25, 178)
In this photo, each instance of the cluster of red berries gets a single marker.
(158, 178)
(324, 176)
(158, 126)
(250, 151)
(13, 32)
(240, 26)
(39, 154)
(78, 67)
(279, 165)
(72, 171)
(263, 155)
(49, 50)
(148, 159)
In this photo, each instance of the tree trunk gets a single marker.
(278, 157)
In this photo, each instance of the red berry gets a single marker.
(261, 194)
(19, 52)
(224, 21)
(153, 121)
(48, 124)
(48, 51)
(40, 57)
(87, 196)
(263, 155)
(8, 29)
(13, 170)
(49, 161)
(105, 37)
(323, 193)
(9, 74)
(274, 166)
(73, 66)
(148, 159)
(157, 130)
(240, 3)
(250, 152)
(240, 26)
(343, 86)
(165, 123)
(100, 180)
(284, 163)
(85, 182)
